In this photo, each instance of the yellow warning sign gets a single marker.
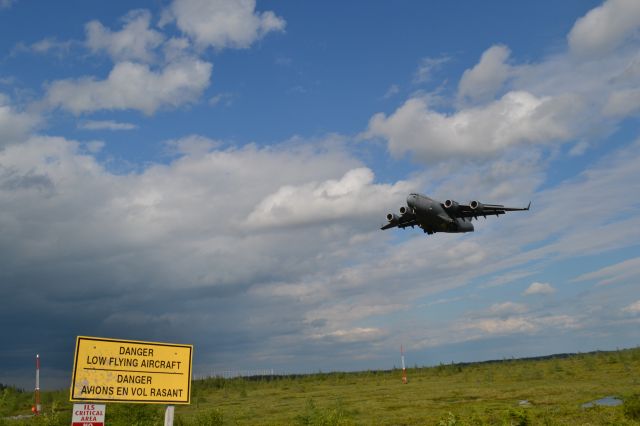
(114, 370)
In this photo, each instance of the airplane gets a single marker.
(433, 216)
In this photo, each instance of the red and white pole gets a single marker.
(37, 407)
(404, 370)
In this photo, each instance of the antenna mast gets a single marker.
(37, 408)
(404, 370)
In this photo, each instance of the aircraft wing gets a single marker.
(408, 219)
(475, 209)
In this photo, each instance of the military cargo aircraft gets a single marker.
(433, 216)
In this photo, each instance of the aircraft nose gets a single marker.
(411, 200)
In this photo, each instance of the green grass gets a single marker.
(455, 394)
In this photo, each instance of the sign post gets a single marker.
(168, 415)
(112, 370)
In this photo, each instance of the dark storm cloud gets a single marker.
(167, 254)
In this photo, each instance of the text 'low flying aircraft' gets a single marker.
(434, 216)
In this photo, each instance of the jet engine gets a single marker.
(476, 205)
(405, 210)
(392, 217)
(451, 205)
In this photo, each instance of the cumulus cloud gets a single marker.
(15, 125)
(172, 245)
(566, 97)
(516, 118)
(622, 103)
(172, 229)
(135, 42)
(539, 288)
(133, 86)
(223, 23)
(508, 180)
(194, 145)
(484, 80)
(605, 27)
(150, 207)
(352, 196)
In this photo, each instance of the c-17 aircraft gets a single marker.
(433, 216)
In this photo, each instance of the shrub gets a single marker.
(631, 407)
(449, 419)
(314, 416)
(518, 418)
(134, 415)
(211, 417)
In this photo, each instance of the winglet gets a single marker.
(528, 206)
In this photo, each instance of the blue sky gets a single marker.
(216, 173)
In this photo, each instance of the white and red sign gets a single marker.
(88, 415)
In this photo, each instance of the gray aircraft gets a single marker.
(433, 216)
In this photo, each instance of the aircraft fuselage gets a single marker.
(432, 217)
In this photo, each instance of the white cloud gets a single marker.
(427, 67)
(530, 240)
(358, 334)
(393, 90)
(508, 180)
(192, 145)
(633, 308)
(507, 308)
(514, 324)
(483, 81)
(133, 86)
(516, 118)
(105, 125)
(176, 48)
(539, 288)
(622, 103)
(589, 230)
(626, 271)
(225, 99)
(135, 42)
(181, 227)
(502, 105)
(502, 326)
(223, 23)
(206, 194)
(14, 125)
(605, 27)
(352, 196)
(48, 44)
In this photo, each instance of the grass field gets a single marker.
(472, 394)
